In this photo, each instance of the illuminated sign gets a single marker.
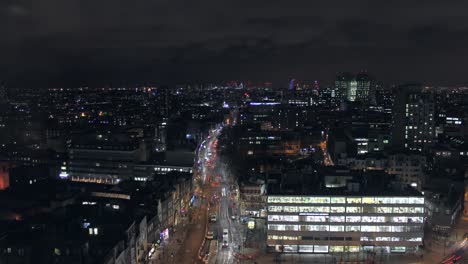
(164, 234)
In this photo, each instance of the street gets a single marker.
(219, 188)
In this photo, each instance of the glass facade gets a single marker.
(391, 222)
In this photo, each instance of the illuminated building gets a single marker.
(146, 172)
(384, 98)
(343, 87)
(252, 202)
(345, 216)
(102, 158)
(414, 122)
(364, 91)
(355, 88)
(351, 90)
(269, 143)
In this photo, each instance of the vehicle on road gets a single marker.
(233, 217)
(225, 233)
(213, 218)
(210, 235)
(225, 244)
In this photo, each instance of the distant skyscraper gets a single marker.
(292, 84)
(343, 86)
(163, 96)
(316, 89)
(161, 127)
(363, 89)
(384, 97)
(351, 90)
(413, 118)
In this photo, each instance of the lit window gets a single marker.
(336, 228)
(354, 210)
(368, 200)
(338, 200)
(353, 200)
(337, 209)
(291, 209)
(353, 219)
(337, 218)
(275, 208)
(353, 228)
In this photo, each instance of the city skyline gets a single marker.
(223, 132)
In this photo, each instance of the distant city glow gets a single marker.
(264, 103)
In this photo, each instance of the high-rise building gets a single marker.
(384, 98)
(327, 97)
(292, 84)
(163, 98)
(351, 90)
(161, 126)
(343, 86)
(364, 91)
(355, 88)
(413, 118)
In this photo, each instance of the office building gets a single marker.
(348, 215)
(345, 87)
(364, 89)
(413, 118)
(103, 158)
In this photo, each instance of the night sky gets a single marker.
(49, 43)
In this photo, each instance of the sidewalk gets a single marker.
(170, 246)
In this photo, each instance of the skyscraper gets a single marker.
(364, 91)
(351, 90)
(413, 118)
(343, 86)
(355, 88)
(161, 126)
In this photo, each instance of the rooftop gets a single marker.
(337, 181)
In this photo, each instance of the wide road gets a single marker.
(196, 229)
(214, 184)
(228, 217)
(459, 252)
(218, 182)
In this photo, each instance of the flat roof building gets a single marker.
(368, 214)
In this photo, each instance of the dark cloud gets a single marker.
(74, 42)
